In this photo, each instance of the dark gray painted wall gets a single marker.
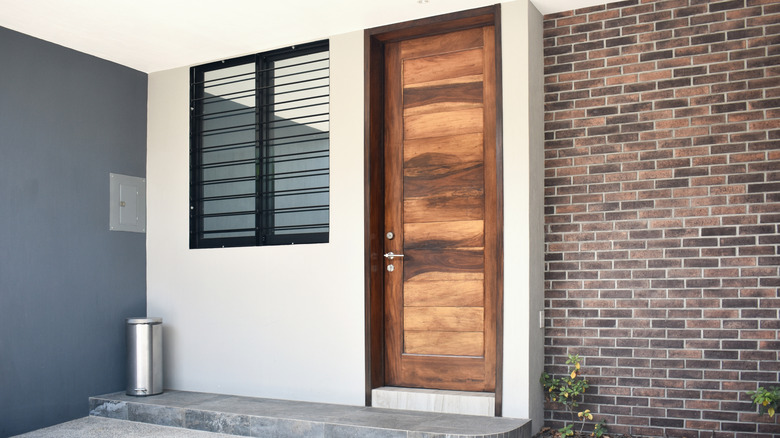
(66, 282)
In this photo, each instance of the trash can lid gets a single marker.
(143, 320)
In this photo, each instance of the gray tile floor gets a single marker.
(193, 414)
(100, 427)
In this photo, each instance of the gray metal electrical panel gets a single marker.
(128, 203)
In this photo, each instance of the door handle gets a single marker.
(390, 255)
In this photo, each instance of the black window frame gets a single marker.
(264, 209)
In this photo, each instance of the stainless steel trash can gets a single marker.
(144, 356)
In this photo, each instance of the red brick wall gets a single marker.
(662, 207)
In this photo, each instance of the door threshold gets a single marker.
(435, 400)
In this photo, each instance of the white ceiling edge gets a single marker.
(156, 35)
(553, 6)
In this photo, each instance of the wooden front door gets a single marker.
(440, 204)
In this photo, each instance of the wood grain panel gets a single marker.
(444, 343)
(447, 81)
(455, 319)
(458, 148)
(465, 374)
(446, 66)
(444, 208)
(441, 98)
(468, 293)
(448, 276)
(467, 121)
(438, 235)
(451, 42)
(429, 178)
(420, 261)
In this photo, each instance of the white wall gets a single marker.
(521, 34)
(277, 321)
(287, 321)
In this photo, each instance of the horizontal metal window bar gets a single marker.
(228, 197)
(229, 130)
(254, 160)
(229, 146)
(269, 146)
(234, 79)
(229, 230)
(291, 83)
(252, 126)
(230, 97)
(276, 78)
(322, 189)
(298, 90)
(270, 142)
(299, 192)
(275, 194)
(296, 227)
(221, 78)
(311, 125)
(306, 116)
(227, 214)
(311, 61)
(288, 81)
(307, 124)
(228, 180)
(212, 98)
(222, 114)
(308, 209)
(273, 142)
(293, 108)
(294, 177)
(318, 151)
(230, 163)
(313, 208)
(293, 160)
(286, 210)
(308, 98)
(296, 172)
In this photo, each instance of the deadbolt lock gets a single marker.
(390, 268)
(390, 235)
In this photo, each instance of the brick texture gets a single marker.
(662, 208)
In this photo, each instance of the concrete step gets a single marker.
(435, 400)
(260, 417)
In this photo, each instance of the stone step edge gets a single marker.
(258, 425)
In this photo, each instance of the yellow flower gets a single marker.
(551, 388)
(565, 394)
(577, 366)
(590, 416)
(771, 412)
(579, 414)
(573, 374)
(766, 402)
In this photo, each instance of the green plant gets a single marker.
(767, 400)
(599, 429)
(568, 391)
(567, 430)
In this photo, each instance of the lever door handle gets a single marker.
(390, 255)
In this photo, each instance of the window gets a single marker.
(259, 149)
